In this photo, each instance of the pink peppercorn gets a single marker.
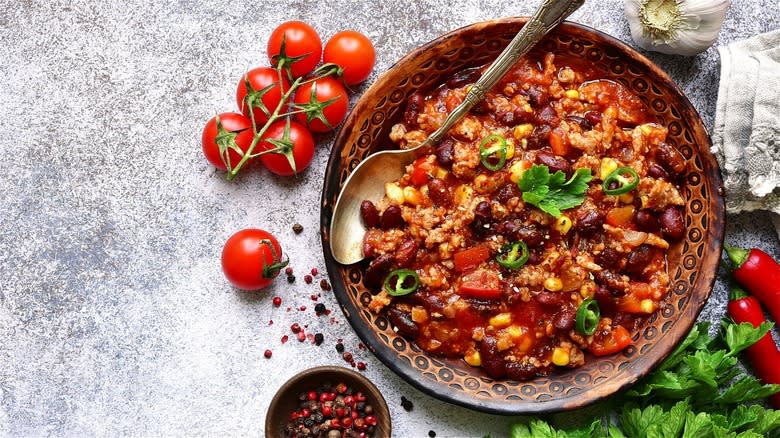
(289, 270)
(307, 278)
(314, 272)
(301, 336)
(277, 301)
(361, 366)
(295, 327)
(268, 354)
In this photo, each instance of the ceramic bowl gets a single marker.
(692, 262)
(286, 401)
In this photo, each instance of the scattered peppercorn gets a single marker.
(295, 327)
(432, 434)
(301, 336)
(361, 366)
(277, 301)
(307, 278)
(285, 338)
(319, 308)
(314, 272)
(291, 279)
(288, 270)
(347, 356)
(340, 347)
(406, 404)
(297, 228)
(318, 338)
(268, 354)
(324, 284)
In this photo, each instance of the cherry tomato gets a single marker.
(469, 259)
(298, 145)
(353, 52)
(300, 40)
(236, 131)
(251, 259)
(259, 78)
(325, 89)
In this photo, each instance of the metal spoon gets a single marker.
(369, 177)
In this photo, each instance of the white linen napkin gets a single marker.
(746, 138)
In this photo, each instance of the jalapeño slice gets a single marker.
(625, 184)
(401, 286)
(492, 152)
(587, 317)
(513, 255)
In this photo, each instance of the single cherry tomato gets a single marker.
(325, 99)
(219, 145)
(469, 259)
(483, 284)
(353, 52)
(251, 259)
(610, 342)
(258, 99)
(294, 144)
(302, 47)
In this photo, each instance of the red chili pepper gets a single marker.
(759, 273)
(763, 355)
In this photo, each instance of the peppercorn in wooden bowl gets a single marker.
(493, 327)
(310, 402)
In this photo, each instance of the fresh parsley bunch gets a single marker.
(551, 193)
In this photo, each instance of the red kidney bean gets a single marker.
(439, 192)
(445, 152)
(391, 218)
(492, 361)
(535, 256)
(539, 136)
(672, 224)
(670, 158)
(554, 162)
(588, 222)
(483, 212)
(480, 107)
(548, 115)
(537, 97)
(520, 371)
(551, 299)
(608, 258)
(507, 192)
(432, 303)
(406, 253)
(638, 259)
(612, 281)
(581, 121)
(403, 321)
(464, 77)
(515, 230)
(564, 320)
(593, 117)
(646, 221)
(376, 271)
(606, 300)
(523, 116)
(369, 214)
(657, 172)
(413, 108)
(506, 118)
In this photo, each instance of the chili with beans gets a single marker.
(497, 280)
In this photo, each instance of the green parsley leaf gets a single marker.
(745, 389)
(768, 422)
(642, 422)
(615, 432)
(676, 419)
(552, 193)
(697, 333)
(697, 425)
(741, 336)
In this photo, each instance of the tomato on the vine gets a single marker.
(302, 47)
(220, 145)
(251, 259)
(294, 147)
(263, 94)
(353, 52)
(324, 99)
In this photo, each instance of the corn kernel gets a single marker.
(510, 149)
(645, 201)
(504, 342)
(515, 332)
(412, 196)
(525, 344)
(647, 306)
(626, 198)
(463, 195)
(562, 224)
(553, 284)
(587, 290)
(473, 358)
(394, 193)
(522, 131)
(419, 314)
(608, 165)
(646, 129)
(560, 356)
(482, 183)
(440, 173)
(501, 320)
(517, 170)
(572, 94)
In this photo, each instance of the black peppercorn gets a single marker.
(407, 404)
(297, 228)
(318, 338)
(340, 347)
(291, 279)
(319, 308)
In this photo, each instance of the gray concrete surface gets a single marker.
(115, 319)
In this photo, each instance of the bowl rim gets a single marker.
(442, 391)
(279, 396)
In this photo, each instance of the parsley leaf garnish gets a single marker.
(551, 193)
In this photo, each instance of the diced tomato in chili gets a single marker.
(483, 284)
(422, 171)
(558, 143)
(469, 259)
(629, 304)
(621, 217)
(615, 340)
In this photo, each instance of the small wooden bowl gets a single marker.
(286, 401)
(692, 262)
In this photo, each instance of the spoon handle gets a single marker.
(549, 14)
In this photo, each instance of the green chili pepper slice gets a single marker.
(493, 147)
(396, 288)
(513, 255)
(625, 185)
(587, 317)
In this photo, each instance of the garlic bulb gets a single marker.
(678, 27)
